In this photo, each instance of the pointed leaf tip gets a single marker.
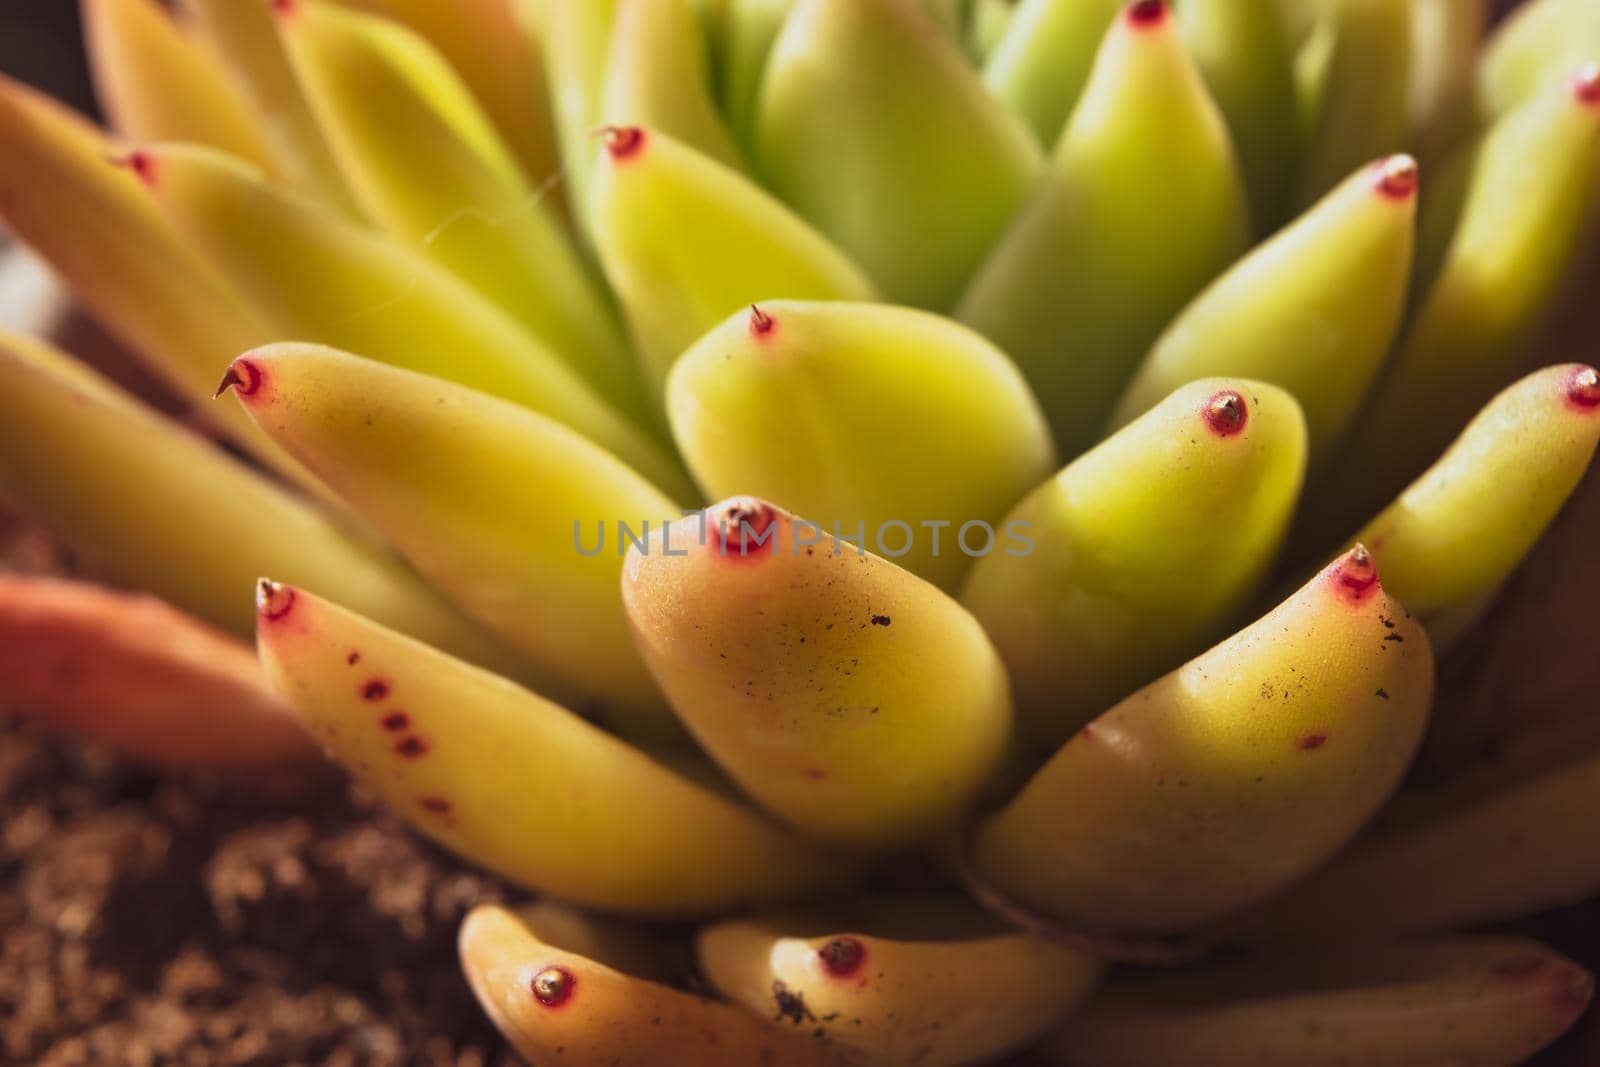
(1226, 413)
(1145, 14)
(1356, 572)
(621, 142)
(143, 165)
(1397, 177)
(274, 600)
(1586, 84)
(243, 376)
(761, 324)
(1583, 388)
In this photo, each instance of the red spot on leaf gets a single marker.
(374, 689)
(1311, 742)
(412, 747)
(353, 658)
(395, 721)
(437, 805)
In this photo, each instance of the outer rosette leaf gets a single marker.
(557, 1004)
(516, 783)
(1229, 778)
(320, 278)
(1474, 1002)
(153, 506)
(899, 981)
(497, 505)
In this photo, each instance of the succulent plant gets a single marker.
(1123, 454)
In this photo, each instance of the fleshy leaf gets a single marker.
(1110, 247)
(658, 75)
(151, 505)
(159, 83)
(686, 242)
(1530, 189)
(875, 128)
(1473, 1002)
(576, 35)
(127, 671)
(495, 504)
(1314, 310)
(558, 1005)
(751, 28)
(1041, 63)
(1462, 528)
(1521, 850)
(320, 278)
(899, 980)
(1534, 50)
(863, 412)
(1242, 49)
(491, 48)
(850, 697)
(1229, 778)
(1360, 107)
(95, 225)
(1446, 39)
(243, 33)
(429, 167)
(517, 783)
(1142, 551)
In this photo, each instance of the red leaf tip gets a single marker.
(743, 529)
(761, 324)
(1583, 388)
(273, 599)
(243, 377)
(1586, 84)
(553, 986)
(285, 8)
(143, 165)
(1226, 413)
(1397, 177)
(842, 957)
(1143, 14)
(622, 142)
(1356, 572)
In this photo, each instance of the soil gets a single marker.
(146, 921)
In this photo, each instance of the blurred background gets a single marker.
(39, 43)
